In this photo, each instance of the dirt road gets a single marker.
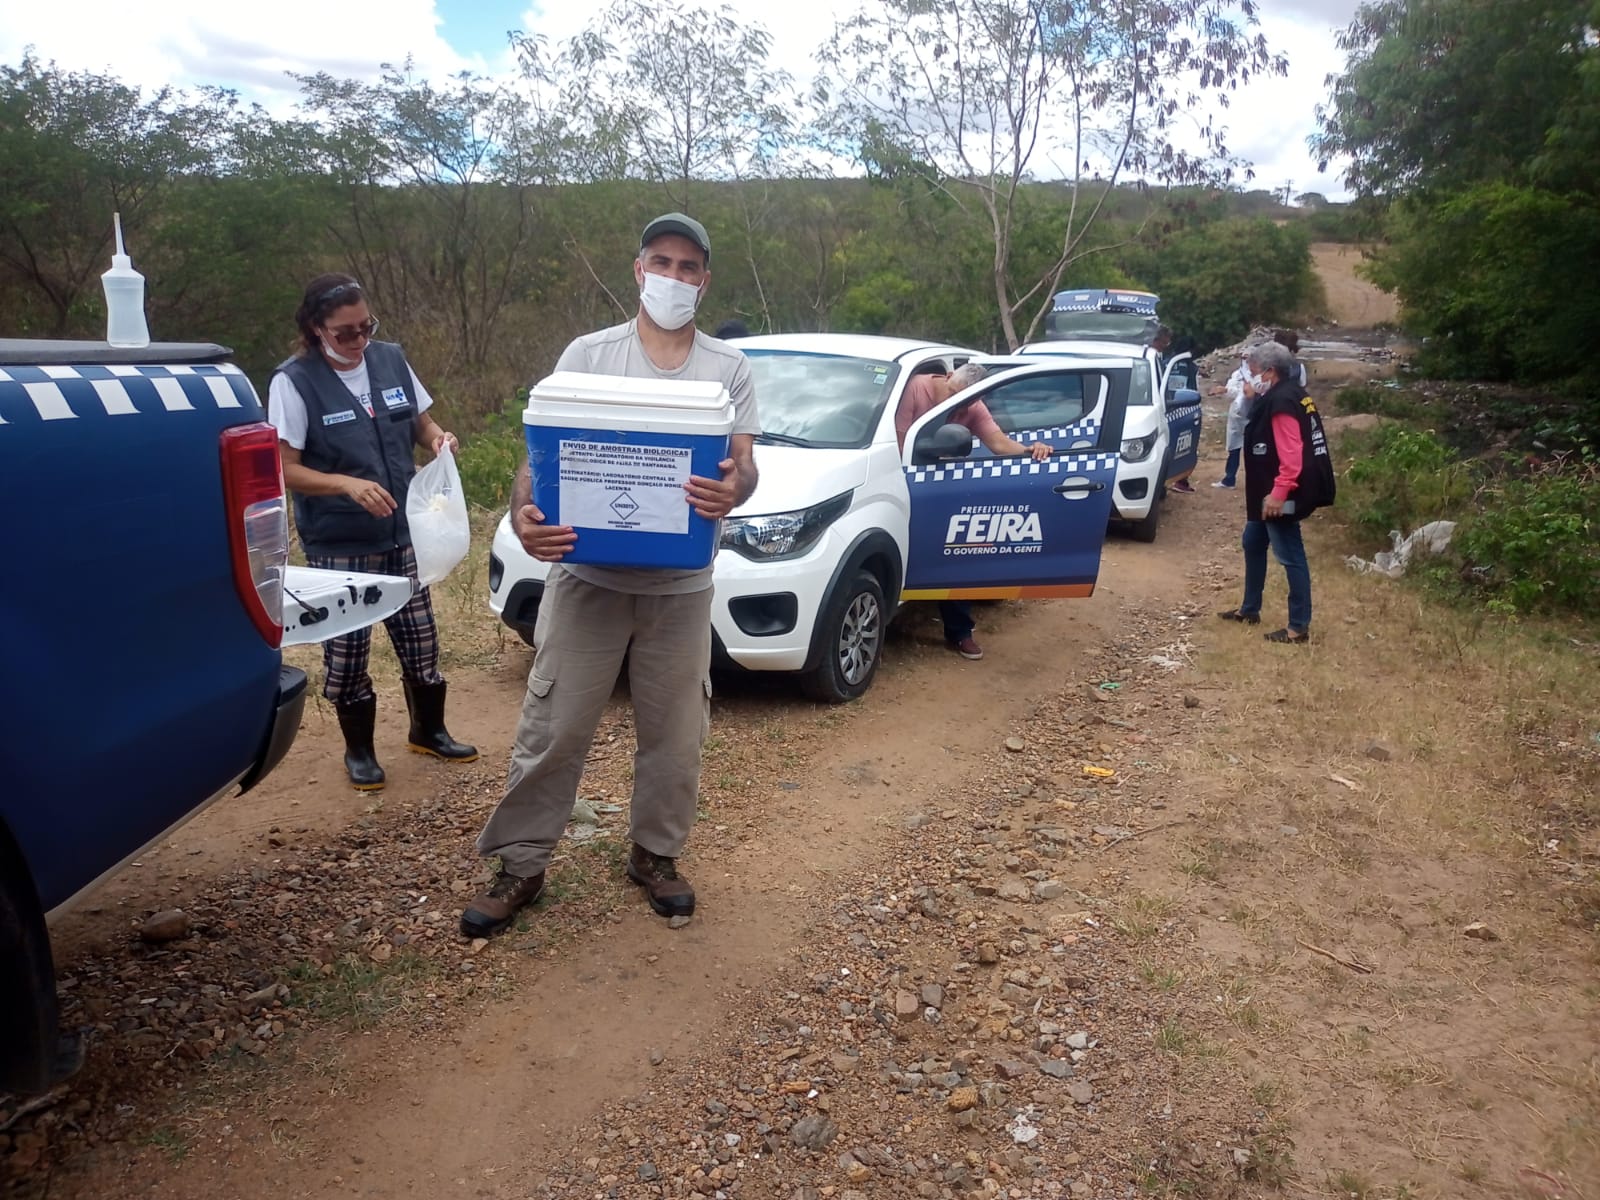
(799, 795)
(1137, 905)
(1352, 302)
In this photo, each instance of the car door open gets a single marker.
(998, 528)
(1182, 406)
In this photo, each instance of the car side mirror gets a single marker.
(1186, 396)
(947, 441)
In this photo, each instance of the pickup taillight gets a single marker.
(258, 523)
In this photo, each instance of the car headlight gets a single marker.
(1137, 449)
(782, 535)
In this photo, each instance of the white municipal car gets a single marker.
(1161, 439)
(844, 526)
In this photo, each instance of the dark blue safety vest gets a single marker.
(1316, 486)
(341, 439)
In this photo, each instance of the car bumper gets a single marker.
(1138, 485)
(764, 614)
(518, 606)
(286, 714)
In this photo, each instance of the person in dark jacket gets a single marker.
(1288, 476)
(349, 412)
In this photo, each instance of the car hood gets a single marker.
(795, 477)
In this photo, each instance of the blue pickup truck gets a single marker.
(145, 594)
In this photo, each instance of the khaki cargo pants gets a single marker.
(582, 633)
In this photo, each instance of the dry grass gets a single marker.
(1457, 1061)
(1490, 727)
(1351, 300)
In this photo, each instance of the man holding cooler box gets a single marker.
(591, 616)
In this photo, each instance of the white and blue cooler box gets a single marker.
(610, 455)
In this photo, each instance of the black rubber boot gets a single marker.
(428, 734)
(356, 721)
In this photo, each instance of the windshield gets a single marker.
(1101, 326)
(827, 400)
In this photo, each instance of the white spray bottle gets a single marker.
(125, 325)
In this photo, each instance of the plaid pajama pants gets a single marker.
(411, 631)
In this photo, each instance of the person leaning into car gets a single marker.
(590, 616)
(924, 393)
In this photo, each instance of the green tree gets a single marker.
(1572, 144)
(1479, 121)
(1218, 279)
(977, 96)
(1498, 280)
(77, 147)
(1438, 94)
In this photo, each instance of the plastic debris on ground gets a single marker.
(1172, 658)
(1432, 538)
(1023, 1131)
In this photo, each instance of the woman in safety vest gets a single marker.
(1288, 475)
(350, 412)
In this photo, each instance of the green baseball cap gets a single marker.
(683, 226)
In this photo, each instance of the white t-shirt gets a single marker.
(618, 351)
(286, 407)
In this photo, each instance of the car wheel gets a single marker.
(1144, 530)
(852, 630)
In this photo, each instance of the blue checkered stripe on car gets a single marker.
(1184, 413)
(1061, 464)
(1084, 433)
(1097, 298)
(64, 393)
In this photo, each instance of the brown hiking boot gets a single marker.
(495, 908)
(669, 893)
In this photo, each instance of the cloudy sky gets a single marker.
(249, 45)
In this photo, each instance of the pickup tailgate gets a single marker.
(318, 604)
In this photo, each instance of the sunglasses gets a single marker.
(339, 292)
(348, 335)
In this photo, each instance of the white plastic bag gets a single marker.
(436, 510)
(1432, 538)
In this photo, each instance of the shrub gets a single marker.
(1217, 279)
(1384, 401)
(1532, 544)
(1400, 478)
(488, 460)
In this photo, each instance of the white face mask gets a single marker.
(670, 303)
(331, 352)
